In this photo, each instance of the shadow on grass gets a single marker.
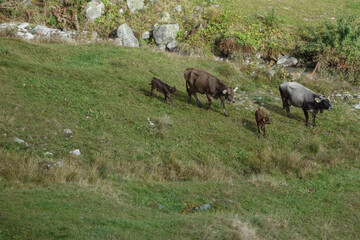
(250, 125)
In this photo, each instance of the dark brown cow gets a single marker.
(261, 121)
(198, 80)
(163, 88)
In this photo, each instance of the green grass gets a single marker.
(297, 183)
(294, 13)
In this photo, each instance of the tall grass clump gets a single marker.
(334, 47)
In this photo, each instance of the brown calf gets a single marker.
(163, 88)
(261, 120)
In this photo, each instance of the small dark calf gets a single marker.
(261, 120)
(163, 88)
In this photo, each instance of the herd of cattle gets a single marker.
(292, 94)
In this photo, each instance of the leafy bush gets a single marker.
(334, 46)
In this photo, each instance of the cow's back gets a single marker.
(199, 80)
(297, 93)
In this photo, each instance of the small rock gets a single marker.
(165, 17)
(150, 122)
(48, 154)
(245, 123)
(357, 106)
(161, 47)
(22, 26)
(25, 36)
(172, 45)
(287, 61)
(146, 35)
(203, 207)
(121, 11)
(348, 96)
(55, 164)
(18, 140)
(160, 206)
(68, 131)
(277, 99)
(178, 8)
(197, 8)
(76, 152)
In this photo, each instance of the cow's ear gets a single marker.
(224, 92)
(317, 100)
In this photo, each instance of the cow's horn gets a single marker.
(224, 92)
(235, 89)
(317, 100)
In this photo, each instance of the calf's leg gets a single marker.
(168, 96)
(264, 130)
(152, 90)
(258, 126)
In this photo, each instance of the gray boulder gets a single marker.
(287, 61)
(125, 37)
(164, 34)
(94, 9)
(43, 31)
(135, 5)
(4, 26)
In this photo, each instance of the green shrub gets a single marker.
(334, 46)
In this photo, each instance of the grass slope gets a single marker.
(298, 183)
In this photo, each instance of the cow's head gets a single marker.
(229, 94)
(323, 103)
(173, 90)
(266, 120)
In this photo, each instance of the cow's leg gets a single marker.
(223, 105)
(306, 117)
(283, 98)
(314, 116)
(263, 128)
(209, 100)
(258, 126)
(198, 101)
(288, 111)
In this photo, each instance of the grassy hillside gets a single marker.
(297, 183)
